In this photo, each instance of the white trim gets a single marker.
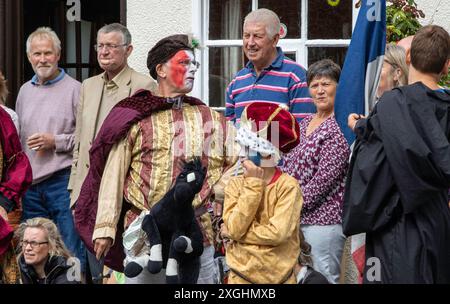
(355, 13)
(254, 5)
(328, 42)
(304, 19)
(198, 33)
(224, 42)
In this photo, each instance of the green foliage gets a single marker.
(402, 19)
(445, 81)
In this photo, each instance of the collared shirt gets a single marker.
(283, 82)
(109, 95)
(35, 79)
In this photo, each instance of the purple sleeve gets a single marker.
(333, 165)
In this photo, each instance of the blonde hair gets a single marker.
(44, 33)
(55, 242)
(3, 89)
(396, 56)
(266, 16)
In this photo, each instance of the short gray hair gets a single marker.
(44, 33)
(323, 68)
(118, 28)
(266, 16)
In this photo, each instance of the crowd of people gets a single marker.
(278, 189)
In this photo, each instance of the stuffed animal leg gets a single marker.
(136, 247)
(155, 262)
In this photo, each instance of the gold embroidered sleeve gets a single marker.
(111, 191)
(242, 200)
(232, 166)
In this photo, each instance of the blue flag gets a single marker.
(356, 92)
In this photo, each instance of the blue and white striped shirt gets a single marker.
(283, 82)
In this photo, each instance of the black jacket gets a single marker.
(56, 270)
(397, 186)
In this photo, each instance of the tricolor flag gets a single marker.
(358, 84)
(360, 75)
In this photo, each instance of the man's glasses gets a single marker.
(108, 47)
(187, 63)
(33, 244)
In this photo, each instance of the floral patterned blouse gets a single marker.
(320, 164)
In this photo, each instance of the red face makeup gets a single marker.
(177, 69)
(182, 70)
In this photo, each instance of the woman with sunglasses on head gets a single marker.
(44, 259)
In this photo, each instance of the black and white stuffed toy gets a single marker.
(175, 238)
(136, 247)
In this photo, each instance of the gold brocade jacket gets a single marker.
(263, 222)
(142, 167)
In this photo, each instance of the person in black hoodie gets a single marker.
(44, 259)
(397, 187)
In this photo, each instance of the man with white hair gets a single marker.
(269, 75)
(46, 106)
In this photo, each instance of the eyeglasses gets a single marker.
(33, 244)
(187, 63)
(108, 47)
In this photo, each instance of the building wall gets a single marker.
(436, 12)
(151, 20)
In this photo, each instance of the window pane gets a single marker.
(224, 63)
(289, 12)
(291, 55)
(329, 22)
(226, 18)
(337, 54)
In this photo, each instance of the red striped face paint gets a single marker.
(182, 72)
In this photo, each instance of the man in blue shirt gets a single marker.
(269, 75)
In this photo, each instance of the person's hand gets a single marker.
(41, 141)
(217, 208)
(4, 214)
(224, 231)
(101, 247)
(252, 170)
(352, 119)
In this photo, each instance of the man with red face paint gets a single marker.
(142, 165)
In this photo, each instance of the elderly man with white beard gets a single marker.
(46, 107)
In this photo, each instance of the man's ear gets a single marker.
(408, 57)
(446, 68)
(160, 71)
(276, 38)
(129, 50)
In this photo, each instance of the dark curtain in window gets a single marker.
(11, 32)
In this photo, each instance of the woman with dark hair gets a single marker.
(320, 165)
(44, 257)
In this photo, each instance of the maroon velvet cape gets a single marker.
(16, 176)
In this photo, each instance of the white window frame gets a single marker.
(200, 25)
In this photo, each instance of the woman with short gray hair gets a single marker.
(320, 164)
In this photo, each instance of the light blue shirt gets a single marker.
(35, 79)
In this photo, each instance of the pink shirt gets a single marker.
(49, 109)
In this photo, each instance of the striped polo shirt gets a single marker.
(283, 82)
